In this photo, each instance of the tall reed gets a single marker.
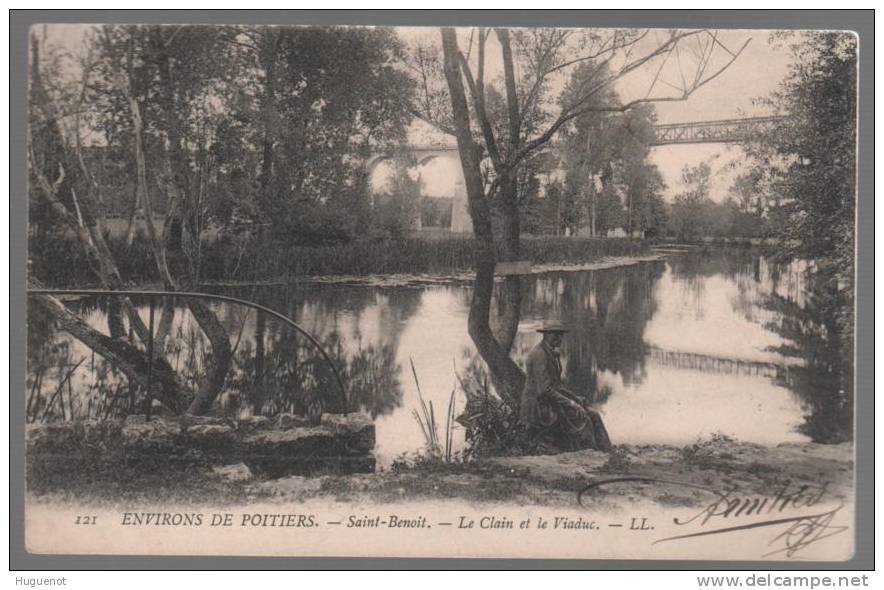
(426, 419)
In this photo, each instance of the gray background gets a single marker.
(860, 21)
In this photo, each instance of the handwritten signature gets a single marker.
(728, 506)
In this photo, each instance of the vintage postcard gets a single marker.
(440, 292)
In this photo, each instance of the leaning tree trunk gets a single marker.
(127, 358)
(506, 373)
(182, 206)
(510, 299)
(61, 196)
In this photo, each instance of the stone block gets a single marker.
(272, 447)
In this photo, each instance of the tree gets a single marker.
(56, 153)
(492, 152)
(610, 148)
(646, 209)
(195, 119)
(811, 159)
(397, 210)
(317, 99)
(436, 211)
(690, 212)
(808, 167)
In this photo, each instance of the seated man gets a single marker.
(553, 413)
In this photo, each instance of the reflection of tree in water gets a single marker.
(607, 312)
(707, 262)
(295, 371)
(804, 306)
(741, 265)
(814, 331)
(292, 368)
(64, 381)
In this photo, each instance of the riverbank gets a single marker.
(62, 262)
(449, 278)
(664, 476)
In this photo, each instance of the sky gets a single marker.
(755, 73)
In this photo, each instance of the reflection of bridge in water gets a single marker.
(692, 132)
(721, 365)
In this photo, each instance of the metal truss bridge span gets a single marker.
(717, 131)
(720, 131)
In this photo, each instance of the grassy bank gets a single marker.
(62, 262)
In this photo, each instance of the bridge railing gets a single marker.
(154, 296)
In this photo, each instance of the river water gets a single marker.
(671, 350)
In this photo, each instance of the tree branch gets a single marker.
(572, 112)
(512, 98)
(477, 92)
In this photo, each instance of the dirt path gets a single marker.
(668, 477)
(678, 475)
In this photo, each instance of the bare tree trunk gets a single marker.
(258, 395)
(267, 57)
(221, 357)
(511, 291)
(182, 205)
(130, 227)
(60, 195)
(504, 370)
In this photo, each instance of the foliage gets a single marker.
(436, 211)
(274, 123)
(398, 207)
(688, 219)
(807, 168)
(492, 425)
(606, 161)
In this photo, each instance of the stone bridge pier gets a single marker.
(424, 154)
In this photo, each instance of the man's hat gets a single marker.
(553, 326)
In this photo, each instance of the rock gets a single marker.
(279, 447)
(158, 435)
(190, 420)
(210, 431)
(292, 485)
(286, 421)
(217, 440)
(237, 472)
(256, 422)
(354, 421)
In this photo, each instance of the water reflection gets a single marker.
(669, 350)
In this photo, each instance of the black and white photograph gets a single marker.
(454, 292)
